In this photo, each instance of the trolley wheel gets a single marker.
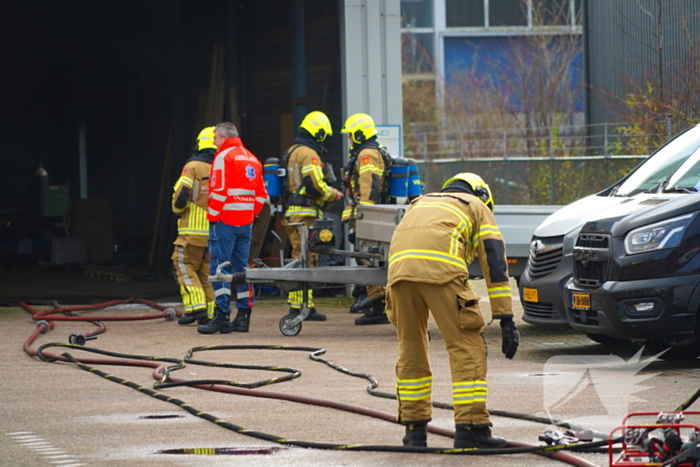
(288, 328)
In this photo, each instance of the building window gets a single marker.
(511, 13)
(507, 13)
(552, 12)
(464, 13)
(417, 14)
(417, 53)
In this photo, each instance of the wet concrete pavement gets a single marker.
(57, 414)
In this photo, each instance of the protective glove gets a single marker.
(510, 336)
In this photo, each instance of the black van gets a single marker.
(637, 269)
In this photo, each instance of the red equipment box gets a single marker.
(651, 438)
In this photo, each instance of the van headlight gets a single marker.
(665, 234)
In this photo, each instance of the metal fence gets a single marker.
(534, 180)
(553, 165)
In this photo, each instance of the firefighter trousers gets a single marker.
(457, 313)
(296, 297)
(374, 292)
(191, 265)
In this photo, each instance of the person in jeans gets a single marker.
(236, 196)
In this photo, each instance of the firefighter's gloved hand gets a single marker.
(510, 336)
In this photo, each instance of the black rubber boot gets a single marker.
(189, 318)
(242, 321)
(359, 290)
(313, 314)
(375, 316)
(362, 303)
(470, 436)
(220, 323)
(416, 435)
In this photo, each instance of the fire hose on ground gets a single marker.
(164, 366)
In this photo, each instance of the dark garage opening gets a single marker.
(133, 77)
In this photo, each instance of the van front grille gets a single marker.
(545, 255)
(539, 310)
(591, 259)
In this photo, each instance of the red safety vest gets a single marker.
(236, 187)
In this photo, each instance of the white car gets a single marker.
(550, 262)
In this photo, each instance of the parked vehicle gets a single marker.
(550, 262)
(636, 271)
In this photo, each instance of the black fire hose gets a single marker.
(163, 374)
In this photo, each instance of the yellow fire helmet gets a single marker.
(318, 125)
(205, 139)
(361, 127)
(477, 184)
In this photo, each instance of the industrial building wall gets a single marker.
(634, 40)
(269, 73)
(323, 71)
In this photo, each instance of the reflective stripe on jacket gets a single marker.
(306, 182)
(439, 236)
(192, 224)
(366, 182)
(236, 188)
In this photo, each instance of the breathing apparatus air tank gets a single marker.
(398, 185)
(273, 180)
(415, 189)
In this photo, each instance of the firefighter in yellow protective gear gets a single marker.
(191, 254)
(308, 193)
(366, 185)
(439, 235)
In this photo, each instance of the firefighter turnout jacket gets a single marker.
(439, 236)
(236, 189)
(306, 184)
(366, 178)
(191, 192)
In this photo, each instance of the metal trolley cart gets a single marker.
(374, 230)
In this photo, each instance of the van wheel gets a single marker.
(677, 350)
(606, 340)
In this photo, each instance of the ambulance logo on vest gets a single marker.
(250, 172)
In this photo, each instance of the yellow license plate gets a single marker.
(581, 301)
(530, 295)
